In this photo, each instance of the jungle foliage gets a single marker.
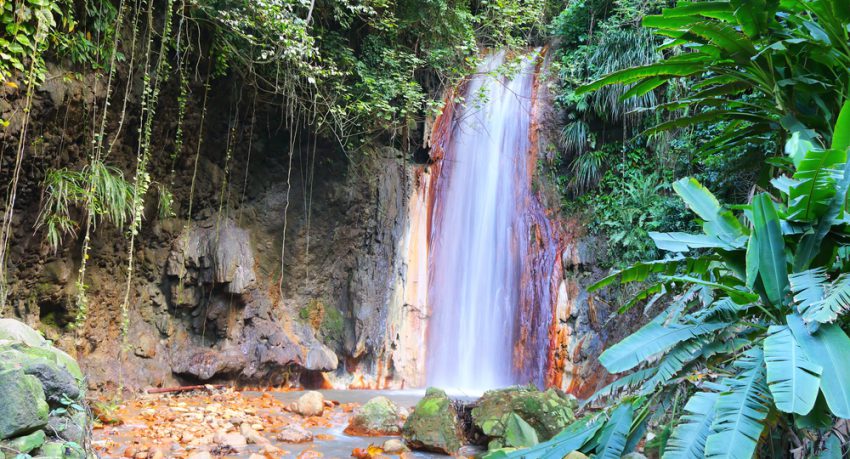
(747, 357)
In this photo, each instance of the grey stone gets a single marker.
(24, 409)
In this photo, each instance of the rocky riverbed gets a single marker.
(254, 424)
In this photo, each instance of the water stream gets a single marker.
(483, 224)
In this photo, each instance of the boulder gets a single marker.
(547, 413)
(58, 383)
(311, 403)
(434, 424)
(24, 408)
(377, 417)
(294, 433)
(13, 330)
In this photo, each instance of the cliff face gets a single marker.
(207, 299)
(210, 299)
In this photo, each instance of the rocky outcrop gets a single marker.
(502, 415)
(41, 389)
(434, 424)
(377, 417)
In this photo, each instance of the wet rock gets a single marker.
(379, 416)
(547, 413)
(232, 440)
(434, 424)
(394, 446)
(311, 403)
(294, 433)
(24, 408)
(201, 455)
(252, 435)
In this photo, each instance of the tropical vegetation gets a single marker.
(746, 356)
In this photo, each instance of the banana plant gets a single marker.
(757, 64)
(752, 338)
(756, 337)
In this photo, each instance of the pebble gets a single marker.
(233, 440)
(201, 455)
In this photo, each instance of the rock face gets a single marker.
(35, 377)
(377, 417)
(434, 424)
(503, 414)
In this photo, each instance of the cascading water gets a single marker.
(489, 281)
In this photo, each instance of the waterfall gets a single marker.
(492, 248)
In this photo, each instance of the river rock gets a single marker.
(394, 446)
(252, 435)
(294, 433)
(434, 424)
(377, 417)
(546, 412)
(311, 403)
(234, 440)
(24, 408)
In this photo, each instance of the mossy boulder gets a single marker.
(24, 408)
(434, 424)
(26, 443)
(35, 376)
(377, 417)
(546, 412)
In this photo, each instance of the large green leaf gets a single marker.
(816, 177)
(773, 269)
(754, 15)
(817, 299)
(570, 439)
(518, 433)
(673, 362)
(651, 339)
(828, 347)
(841, 133)
(683, 242)
(641, 271)
(613, 438)
(740, 411)
(793, 379)
(717, 221)
(689, 436)
(631, 75)
(810, 244)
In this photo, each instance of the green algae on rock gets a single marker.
(377, 417)
(547, 413)
(434, 424)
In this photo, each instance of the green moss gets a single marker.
(332, 325)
